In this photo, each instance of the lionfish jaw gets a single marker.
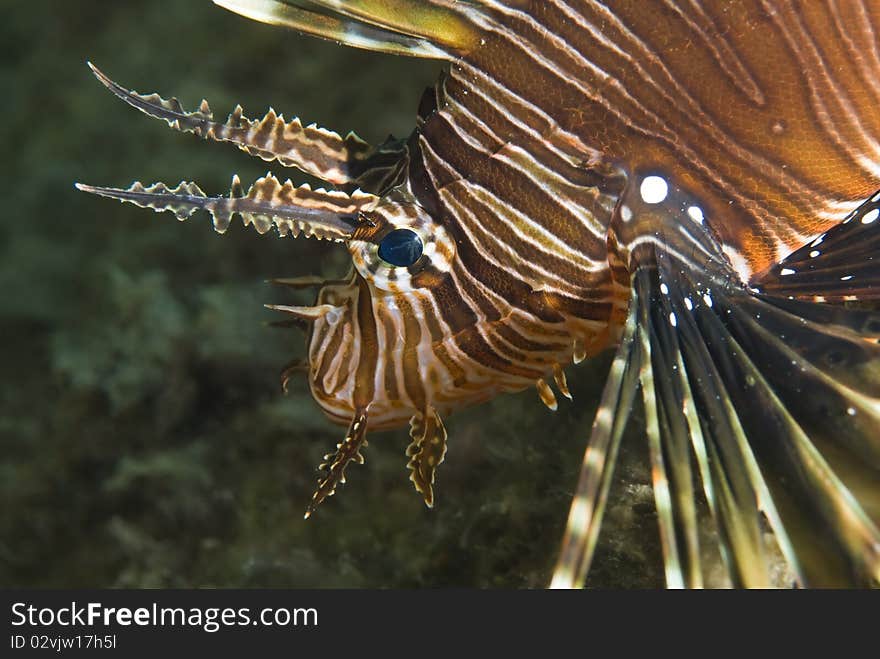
(323, 214)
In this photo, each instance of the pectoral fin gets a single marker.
(841, 265)
(770, 406)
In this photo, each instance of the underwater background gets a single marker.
(145, 439)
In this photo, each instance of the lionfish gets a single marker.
(692, 182)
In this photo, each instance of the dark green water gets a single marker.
(144, 438)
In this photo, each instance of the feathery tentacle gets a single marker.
(333, 467)
(426, 452)
(324, 214)
(312, 149)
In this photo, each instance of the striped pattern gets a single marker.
(291, 210)
(518, 190)
(729, 99)
(533, 154)
(574, 149)
(323, 153)
(527, 182)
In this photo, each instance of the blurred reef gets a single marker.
(145, 441)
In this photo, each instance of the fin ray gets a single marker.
(842, 264)
(594, 482)
(776, 401)
(425, 29)
(667, 429)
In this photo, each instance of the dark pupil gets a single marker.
(401, 247)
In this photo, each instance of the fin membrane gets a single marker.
(770, 406)
(843, 264)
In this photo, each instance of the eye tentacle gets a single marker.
(330, 215)
(335, 463)
(306, 314)
(317, 151)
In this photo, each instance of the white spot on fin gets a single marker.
(696, 214)
(654, 189)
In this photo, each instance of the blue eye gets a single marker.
(401, 247)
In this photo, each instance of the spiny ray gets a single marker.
(667, 431)
(312, 149)
(774, 427)
(328, 22)
(840, 265)
(721, 451)
(580, 351)
(545, 393)
(303, 317)
(292, 368)
(561, 382)
(307, 314)
(591, 495)
(330, 215)
(433, 21)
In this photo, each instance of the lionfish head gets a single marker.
(368, 349)
(373, 334)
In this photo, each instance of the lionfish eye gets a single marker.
(401, 247)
